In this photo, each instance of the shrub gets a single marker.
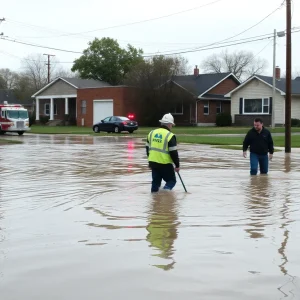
(223, 119)
(44, 119)
(31, 118)
(295, 122)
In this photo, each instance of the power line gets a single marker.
(189, 50)
(173, 53)
(139, 22)
(38, 46)
(203, 49)
(259, 22)
(218, 43)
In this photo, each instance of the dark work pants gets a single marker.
(165, 173)
(261, 160)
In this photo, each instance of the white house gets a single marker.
(253, 98)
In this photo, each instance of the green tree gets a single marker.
(105, 60)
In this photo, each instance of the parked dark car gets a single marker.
(115, 124)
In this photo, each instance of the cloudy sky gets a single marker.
(156, 26)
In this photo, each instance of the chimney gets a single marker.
(277, 73)
(196, 71)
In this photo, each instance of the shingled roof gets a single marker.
(85, 83)
(201, 84)
(77, 83)
(279, 84)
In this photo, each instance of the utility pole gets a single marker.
(1, 20)
(48, 64)
(288, 88)
(274, 79)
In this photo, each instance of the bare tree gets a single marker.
(9, 78)
(241, 63)
(35, 69)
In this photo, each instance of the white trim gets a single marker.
(105, 100)
(204, 114)
(54, 105)
(257, 113)
(57, 96)
(50, 83)
(231, 74)
(220, 107)
(247, 81)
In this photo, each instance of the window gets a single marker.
(219, 107)
(206, 108)
(257, 106)
(47, 109)
(177, 109)
(83, 107)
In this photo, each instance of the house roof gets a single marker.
(77, 83)
(85, 83)
(279, 84)
(201, 84)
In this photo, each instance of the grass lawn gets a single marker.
(5, 142)
(235, 147)
(145, 130)
(196, 134)
(279, 141)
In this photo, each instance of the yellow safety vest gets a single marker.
(158, 146)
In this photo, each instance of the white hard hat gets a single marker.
(167, 118)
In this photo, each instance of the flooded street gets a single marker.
(78, 221)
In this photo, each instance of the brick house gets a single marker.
(85, 100)
(208, 92)
(88, 101)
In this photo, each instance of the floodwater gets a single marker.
(77, 221)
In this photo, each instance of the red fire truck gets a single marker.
(13, 118)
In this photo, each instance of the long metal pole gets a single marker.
(274, 79)
(288, 96)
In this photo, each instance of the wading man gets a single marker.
(161, 149)
(261, 143)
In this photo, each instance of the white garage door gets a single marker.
(102, 109)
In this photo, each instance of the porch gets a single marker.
(56, 107)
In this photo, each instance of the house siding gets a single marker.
(59, 88)
(295, 109)
(258, 89)
(224, 87)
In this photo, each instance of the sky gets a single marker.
(154, 26)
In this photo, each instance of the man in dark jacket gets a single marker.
(261, 143)
(161, 149)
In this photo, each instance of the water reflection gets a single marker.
(287, 288)
(287, 163)
(162, 227)
(258, 194)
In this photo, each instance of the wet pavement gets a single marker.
(77, 221)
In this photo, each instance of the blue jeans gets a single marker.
(165, 173)
(262, 160)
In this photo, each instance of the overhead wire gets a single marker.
(137, 22)
(158, 54)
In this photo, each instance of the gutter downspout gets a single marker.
(197, 111)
